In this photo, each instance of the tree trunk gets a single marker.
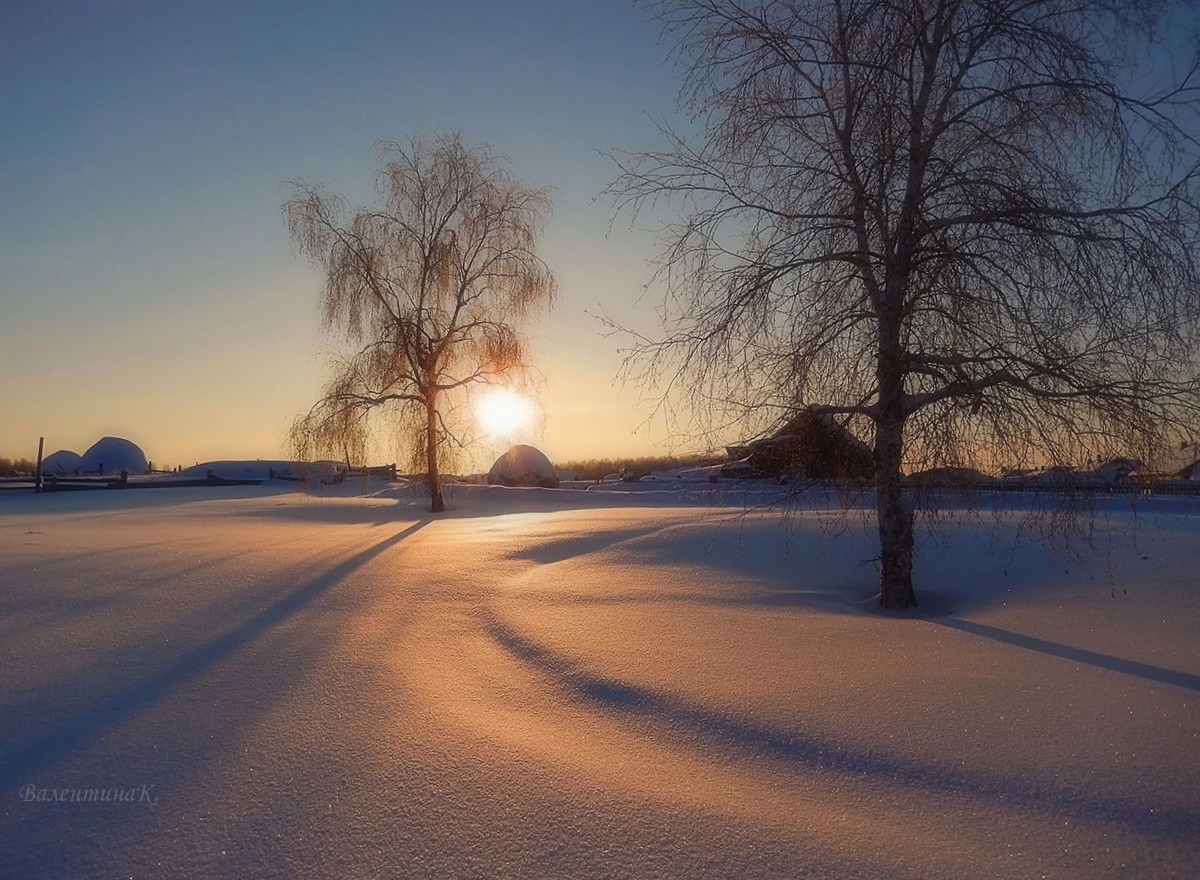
(894, 516)
(436, 504)
(895, 520)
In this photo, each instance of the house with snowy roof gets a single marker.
(811, 444)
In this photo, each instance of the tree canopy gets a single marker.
(428, 286)
(968, 228)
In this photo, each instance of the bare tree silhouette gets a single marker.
(967, 227)
(429, 285)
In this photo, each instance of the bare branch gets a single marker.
(429, 285)
(955, 220)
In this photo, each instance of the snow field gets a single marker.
(587, 684)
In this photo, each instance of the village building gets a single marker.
(810, 445)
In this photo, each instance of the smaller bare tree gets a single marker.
(429, 286)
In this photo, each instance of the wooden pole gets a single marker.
(37, 471)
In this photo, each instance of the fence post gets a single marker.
(37, 471)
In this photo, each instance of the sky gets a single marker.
(149, 289)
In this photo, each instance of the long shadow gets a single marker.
(51, 607)
(1077, 655)
(562, 549)
(335, 510)
(753, 741)
(52, 744)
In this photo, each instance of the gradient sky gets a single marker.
(149, 289)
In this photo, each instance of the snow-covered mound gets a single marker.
(111, 455)
(523, 466)
(62, 462)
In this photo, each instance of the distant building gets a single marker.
(811, 444)
(1115, 470)
(1180, 463)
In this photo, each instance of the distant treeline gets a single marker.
(16, 468)
(599, 468)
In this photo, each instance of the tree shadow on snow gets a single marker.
(733, 737)
(1137, 669)
(935, 608)
(59, 738)
(551, 550)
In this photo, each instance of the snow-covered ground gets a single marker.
(587, 684)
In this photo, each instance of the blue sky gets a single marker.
(149, 289)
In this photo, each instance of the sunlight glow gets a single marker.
(503, 411)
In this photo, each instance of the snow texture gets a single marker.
(630, 682)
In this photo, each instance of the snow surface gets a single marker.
(607, 683)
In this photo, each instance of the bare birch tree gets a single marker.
(967, 226)
(429, 286)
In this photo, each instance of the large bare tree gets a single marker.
(429, 285)
(967, 226)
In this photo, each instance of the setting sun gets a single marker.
(503, 411)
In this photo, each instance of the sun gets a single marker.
(503, 411)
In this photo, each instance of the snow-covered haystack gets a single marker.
(523, 466)
(62, 462)
(111, 455)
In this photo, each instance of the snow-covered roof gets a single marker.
(1180, 461)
